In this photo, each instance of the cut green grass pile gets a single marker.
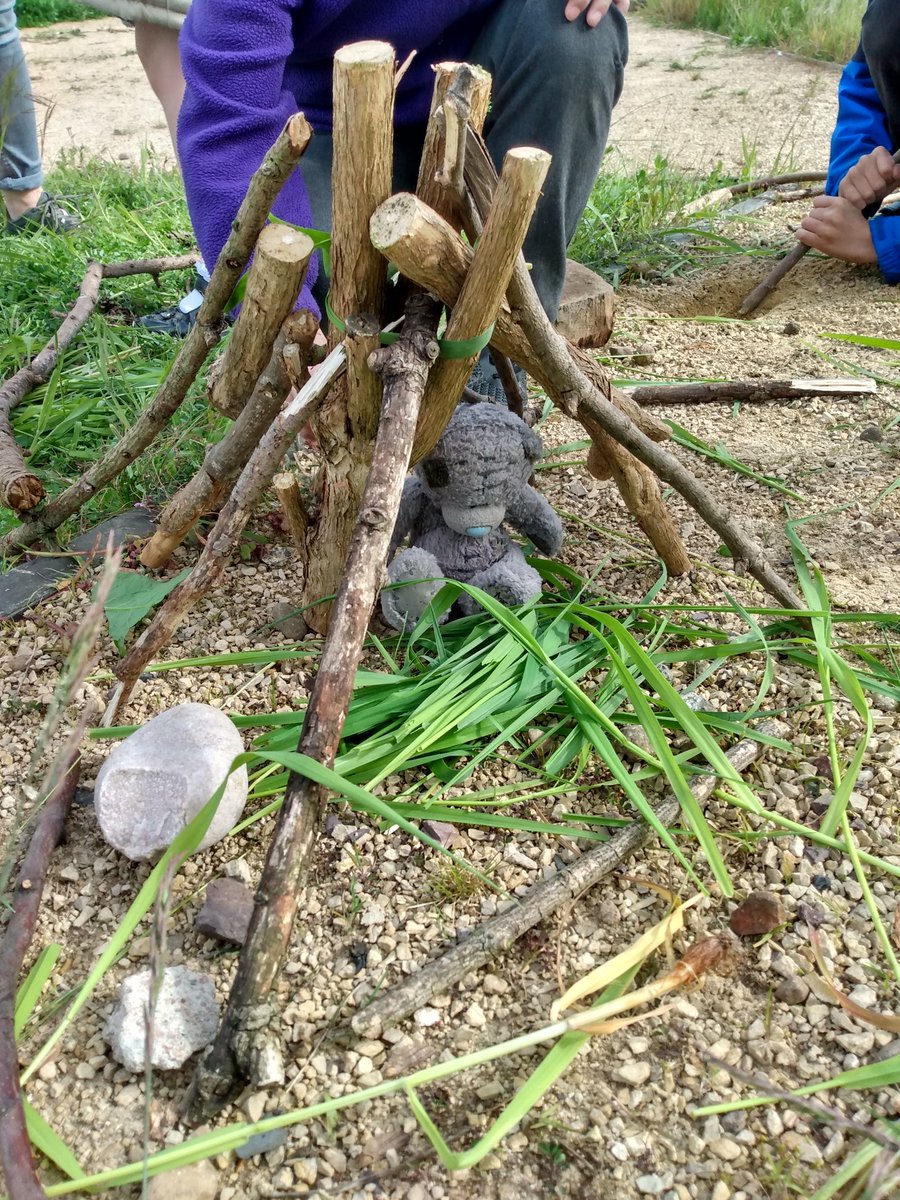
(827, 29)
(114, 367)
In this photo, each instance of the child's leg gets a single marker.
(20, 159)
(157, 48)
(881, 46)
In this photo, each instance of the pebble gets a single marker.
(650, 1185)
(186, 1019)
(442, 832)
(226, 911)
(156, 781)
(493, 985)
(863, 995)
(239, 868)
(635, 1073)
(254, 1106)
(288, 621)
(792, 990)
(725, 1149)
(200, 1181)
(856, 1043)
(760, 913)
(872, 433)
(262, 1143)
(475, 1016)
(427, 1017)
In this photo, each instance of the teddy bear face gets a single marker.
(480, 465)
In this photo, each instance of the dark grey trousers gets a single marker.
(555, 83)
(880, 44)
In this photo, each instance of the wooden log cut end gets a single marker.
(23, 493)
(363, 54)
(587, 309)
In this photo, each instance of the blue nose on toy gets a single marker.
(478, 530)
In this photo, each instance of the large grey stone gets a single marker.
(185, 1020)
(200, 1181)
(157, 780)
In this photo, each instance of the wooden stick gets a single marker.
(150, 266)
(404, 367)
(276, 274)
(466, 91)
(510, 384)
(749, 390)
(15, 1145)
(755, 298)
(223, 539)
(722, 195)
(264, 187)
(554, 365)
(20, 489)
(362, 169)
(498, 249)
(499, 933)
(426, 249)
(225, 460)
(287, 489)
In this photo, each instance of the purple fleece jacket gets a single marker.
(251, 64)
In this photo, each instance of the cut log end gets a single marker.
(23, 493)
(587, 309)
(362, 54)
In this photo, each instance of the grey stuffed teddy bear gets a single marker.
(452, 510)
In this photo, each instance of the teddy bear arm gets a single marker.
(407, 514)
(511, 581)
(532, 516)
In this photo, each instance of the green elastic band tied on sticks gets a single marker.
(447, 348)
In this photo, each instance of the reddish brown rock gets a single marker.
(226, 911)
(760, 913)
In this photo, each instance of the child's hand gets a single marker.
(595, 10)
(838, 228)
(871, 179)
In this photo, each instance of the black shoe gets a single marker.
(485, 381)
(48, 213)
(174, 321)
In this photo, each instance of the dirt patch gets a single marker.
(619, 1123)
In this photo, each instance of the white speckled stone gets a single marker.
(186, 1019)
(154, 783)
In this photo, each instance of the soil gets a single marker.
(619, 1122)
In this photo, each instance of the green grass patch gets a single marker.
(827, 29)
(114, 367)
(32, 13)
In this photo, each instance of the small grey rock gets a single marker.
(871, 433)
(154, 783)
(792, 990)
(441, 831)
(186, 1019)
(262, 1143)
(650, 1185)
(226, 911)
(287, 620)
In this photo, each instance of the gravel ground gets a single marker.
(619, 1122)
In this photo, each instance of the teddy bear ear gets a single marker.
(533, 445)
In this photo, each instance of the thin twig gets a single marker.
(500, 932)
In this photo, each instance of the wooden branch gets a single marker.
(723, 195)
(755, 298)
(514, 400)
(225, 460)
(150, 266)
(362, 167)
(287, 489)
(276, 274)
(20, 489)
(749, 390)
(404, 368)
(466, 90)
(499, 933)
(223, 539)
(426, 249)
(262, 192)
(498, 249)
(15, 1145)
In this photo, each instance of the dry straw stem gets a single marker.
(252, 215)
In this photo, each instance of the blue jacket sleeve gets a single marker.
(861, 122)
(885, 232)
(235, 105)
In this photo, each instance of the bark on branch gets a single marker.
(499, 933)
(237, 1049)
(262, 192)
(15, 1146)
(749, 390)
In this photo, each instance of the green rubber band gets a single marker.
(447, 348)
